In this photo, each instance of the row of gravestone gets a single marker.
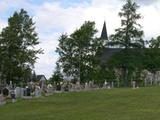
(80, 87)
(28, 93)
(18, 92)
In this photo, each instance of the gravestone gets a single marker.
(2, 100)
(86, 86)
(133, 84)
(66, 87)
(112, 84)
(49, 90)
(37, 91)
(22, 91)
(28, 92)
(58, 87)
(77, 86)
(13, 95)
(105, 84)
(18, 92)
(5, 92)
(72, 89)
(90, 84)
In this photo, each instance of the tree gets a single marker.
(57, 77)
(151, 59)
(78, 52)
(129, 35)
(129, 38)
(18, 41)
(155, 42)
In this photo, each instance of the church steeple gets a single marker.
(104, 34)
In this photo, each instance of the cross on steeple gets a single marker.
(104, 34)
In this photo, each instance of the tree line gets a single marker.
(80, 52)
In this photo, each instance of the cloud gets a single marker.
(2, 24)
(146, 2)
(150, 21)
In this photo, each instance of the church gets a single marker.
(148, 77)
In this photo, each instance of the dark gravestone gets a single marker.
(13, 96)
(28, 90)
(5, 92)
(66, 88)
(58, 87)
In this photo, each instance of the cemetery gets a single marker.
(106, 77)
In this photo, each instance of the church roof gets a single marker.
(108, 53)
(104, 34)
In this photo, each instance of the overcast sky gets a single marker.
(54, 17)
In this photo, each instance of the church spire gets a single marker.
(104, 34)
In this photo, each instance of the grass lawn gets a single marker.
(114, 104)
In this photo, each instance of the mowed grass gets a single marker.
(114, 104)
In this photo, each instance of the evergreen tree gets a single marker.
(57, 77)
(18, 42)
(129, 37)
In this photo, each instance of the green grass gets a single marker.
(114, 104)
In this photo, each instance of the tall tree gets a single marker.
(18, 41)
(129, 37)
(78, 52)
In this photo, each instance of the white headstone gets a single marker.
(2, 100)
(18, 91)
(133, 84)
(37, 91)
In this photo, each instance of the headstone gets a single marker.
(77, 86)
(37, 91)
(22, 91)
(10, 84)
(49, 88)
(2, 100)
(66, 88)
(5, 92)
(13, 95)
(86, 86)
(112, 84)
(133, 84)
(58, 87)
(28, 90)
(105, 84)
(72, 89)
(90, 84)
(18, 92)
(27, 93)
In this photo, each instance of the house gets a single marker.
(41, 78)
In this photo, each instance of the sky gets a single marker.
(55, 17)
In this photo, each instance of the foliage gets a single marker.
(57, 77)
(152, 55)
(78, 52)
(129, 38)
(129, 35)
(18, 53)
